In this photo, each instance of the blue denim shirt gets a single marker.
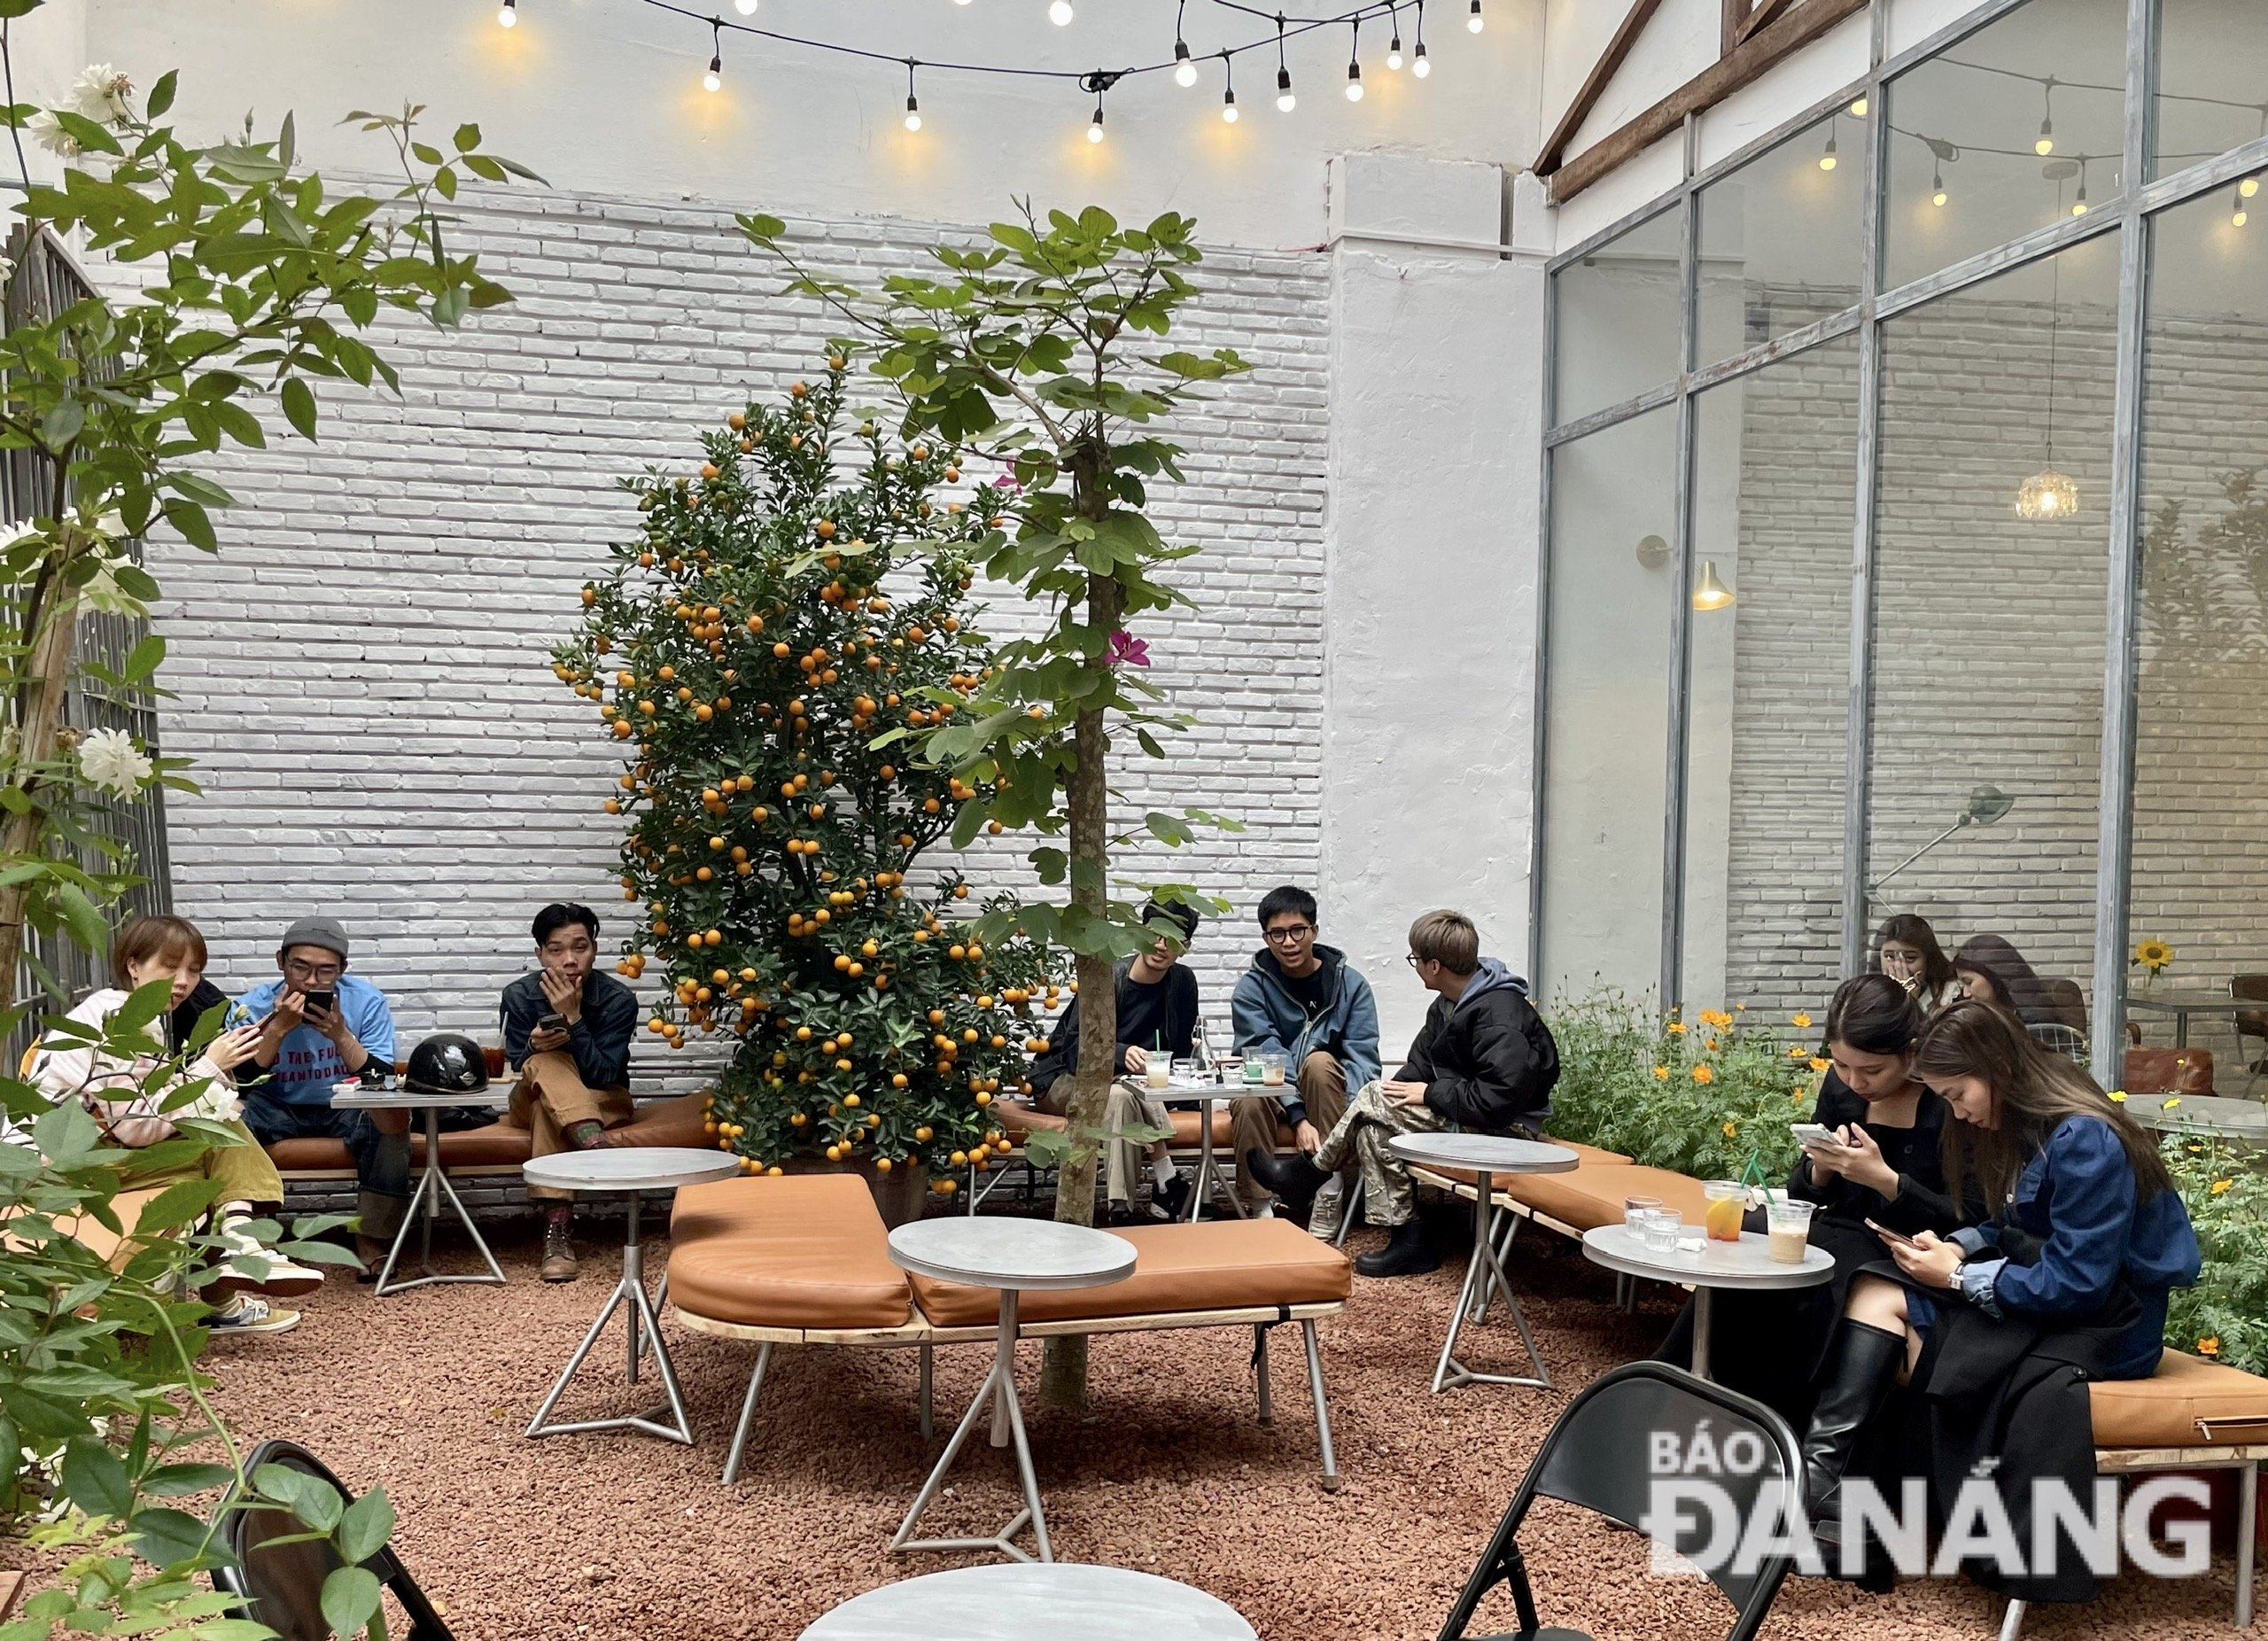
(2076, 1195)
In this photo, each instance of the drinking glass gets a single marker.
(1255, 1065)
(1660, 1230)
(1789, 1229)
(1728, 1200)
(1272, 1069)
(1636, 1208)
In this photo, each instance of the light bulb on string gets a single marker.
(1938, 187)
(1394, 46)
(2080, 205)
(1228, 89)
(1827, 161)
(2046, 145)
(747, 8)
(2240, 216)
(1059, 14)
(1094, 125)
(1418, 65)
(1185, 69)
(1284, 101)
(713, 76)
(913, 103)
(507, 15)
(1355, 66)
(2248, 188)
(1858, 107)
(1473, 22)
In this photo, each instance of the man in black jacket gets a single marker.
(1483, 1063)
(567, 1032)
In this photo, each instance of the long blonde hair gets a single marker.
(2035, 1091)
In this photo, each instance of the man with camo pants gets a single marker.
(1483, 1063)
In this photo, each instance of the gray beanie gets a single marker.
(326, 932)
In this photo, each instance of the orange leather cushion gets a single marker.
(91, 1232)
(662, 1123)
(497, 1145)
(803, 1250)
(1214, 1265)
(295, 1155)
(1591, 1197)
(1017, 1120)
(1590, 1156)
(2169, 1072)
(2163, 1410)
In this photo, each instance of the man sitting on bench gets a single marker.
(567, 1031)
(1483, 1063)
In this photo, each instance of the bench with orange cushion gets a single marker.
(1018, 1120)
(805, 1259)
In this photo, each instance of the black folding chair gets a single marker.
(282, 1583)
(1601, 1456)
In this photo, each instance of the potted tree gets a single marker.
(760, 650)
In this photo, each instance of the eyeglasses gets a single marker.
(1416, 961)
(1291, 934)
(300, 970)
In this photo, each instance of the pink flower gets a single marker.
(1005, 483)
(1124, 647)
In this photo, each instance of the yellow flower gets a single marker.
(2153, 954)
(1704, 1074)
(1732, 1129)
(2210, 1346)
(1802, 1021)
(2220, 1186)
(1709, 1044)
(2169, 1105)
(1796, 1098)
(1742, 1007)
(1716, 1018)
(1818, 1064)
(2117, 1096)
(1661, 1074)
(1677, 1028)
(1795, 1051)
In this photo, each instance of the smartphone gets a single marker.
(552, 1022)
(1814, 1134)
(320, 1002)
(1889, 1235)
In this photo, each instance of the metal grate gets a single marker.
(46, 282)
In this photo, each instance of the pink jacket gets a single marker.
(83, 1072)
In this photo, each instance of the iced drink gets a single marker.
(1788, 1227)
(1728, 1200)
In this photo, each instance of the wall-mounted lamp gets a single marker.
(1709, 591)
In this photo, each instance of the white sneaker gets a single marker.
(251, 1263)
(244, 1314)
(1323, 1218)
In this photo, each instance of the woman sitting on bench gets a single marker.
(1999, 1328)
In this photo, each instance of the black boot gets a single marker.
(1860, 1373)
(1409, 1252)
(1294, 1179)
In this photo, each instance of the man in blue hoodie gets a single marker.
(1304, 1000)
(1483, 1063)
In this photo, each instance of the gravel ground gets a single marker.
(613, 1536)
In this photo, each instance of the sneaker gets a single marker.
(251, 1263)
(1329, 1203)
(558, 1253)
(1171, 1200)
(245, 1314)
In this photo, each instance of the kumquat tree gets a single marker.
(1023, 352)
(752, 651)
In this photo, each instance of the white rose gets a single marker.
(48, 132)
(109, 759)
(103, 593)
(100, 93)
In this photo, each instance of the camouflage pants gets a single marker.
(1389, 1196)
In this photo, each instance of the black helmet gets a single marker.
(447, 1064)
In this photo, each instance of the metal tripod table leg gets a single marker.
(1483, 1271)
(998, 1393)
(629, 1297)
(425, 1207)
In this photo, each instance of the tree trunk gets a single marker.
(1063, 1372)
(42, 716)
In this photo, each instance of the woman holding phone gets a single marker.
(1998, 1328)
(1906, 950)
(1874, 1156)
(139, 1099)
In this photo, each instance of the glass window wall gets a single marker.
(1617, 317)
(1779, 238)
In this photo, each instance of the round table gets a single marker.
(1484, 1156)
(1011, 1602)
(2213, 1114)
(1206, 1095)
(626, 1170)
(1747, 1263)
(1011, 1255)
(432, 1182)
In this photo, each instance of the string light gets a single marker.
(1059, 14)
(1937, 186)
(1420, 67)
(1394, 46)
(507, 15)
(1355, 66)
(2248, 188)
(1185, 70)
(1858, 107)
(2046, 145)
(747, 8)
(2080, 205)
(1228, 88)
(715, 75)
(913, 103)
(1826, 162)
(1473, 22)
(1101, 83)
(2239, 217)
(1284, 101)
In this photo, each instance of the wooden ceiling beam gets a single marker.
(1793, 28)
(1602, 75)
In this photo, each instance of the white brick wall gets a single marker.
(362, 672)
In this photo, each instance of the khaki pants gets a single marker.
(1389, 1196)
(550, 1097)
(1323, 1090)
(244, 1169)
(1124, 1162)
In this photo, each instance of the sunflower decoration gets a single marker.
(2150, 956)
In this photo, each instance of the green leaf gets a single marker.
(367, 1525)
(145, 658)
(61, 423)
(169, 1537)
(86, 923)
(350, 1600)
(96, 1481)
(195, 525)
(312, 1499)
(179, 1481)
(199, 488)
(467, 139)
(177, 1204)
(161, 95)
(1166, 829)
(299, 406)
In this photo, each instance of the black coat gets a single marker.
(182, 1022)
(1487, 1060)
(1173, 1026)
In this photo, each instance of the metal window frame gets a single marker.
(2132, 215)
